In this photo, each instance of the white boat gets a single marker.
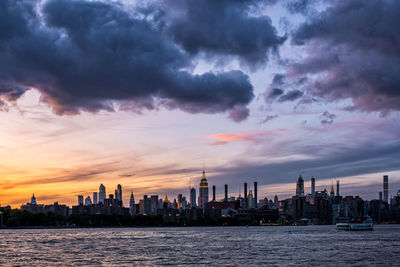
(356, 225)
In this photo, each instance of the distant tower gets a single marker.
(88, 201)
(226, 193)
(95, 198)
(203, 191)
(276, 201)
(332, 191)
(193, 197)
(119, 192)
(102, 193)
(300, 187)
(33, 199)
(80, 200)
(213, 193)
(245, 196)
(380, 196)
(337, 188)
(313, 186)
(180, 198)
(255, 195)
(250, 199)
(386, 188)
(165, 202)
(132, 204)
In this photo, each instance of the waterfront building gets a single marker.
(102, 193)
(300, 187)
(33, 206)
(203, 191)
(193, 197)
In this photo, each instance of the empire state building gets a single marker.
(203, 191)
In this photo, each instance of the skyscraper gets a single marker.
(226, 193)
(255, 196)
(386, 188)
(119, 192)
(80, 200)
(154, 204)
(193, 197)
(102, 193)
(88, 201)
(132, 205)
(250, 199)
(313, 186)
(332, 193)
(203, 191)
(337, 188)
(300, 187)
(213, 193)
(95, 198)
(245, 196)
(180, 197)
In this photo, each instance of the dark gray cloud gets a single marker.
(85, 55)
(224, 27)
(290, 96)
(268, 118)
(275, 92)
(327, 118)
(354, 53)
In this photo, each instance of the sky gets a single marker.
(148, 93)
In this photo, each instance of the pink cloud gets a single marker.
(223, 139)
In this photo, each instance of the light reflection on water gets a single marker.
(232, 246)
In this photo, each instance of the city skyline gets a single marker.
(303, 187)
(142, 93)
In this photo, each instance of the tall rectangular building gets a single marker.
(313, 186)
(193, 197)
(386, 188)
(337, 188)
(80, 200)
(95, 198)
(102, 193)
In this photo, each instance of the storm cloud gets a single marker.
(87, 55)
(224, 27)
(353, 53)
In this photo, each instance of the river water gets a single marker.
(208, 246)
